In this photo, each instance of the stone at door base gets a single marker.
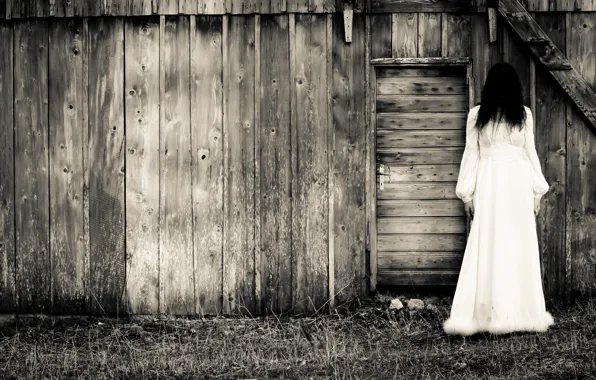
(415, 304)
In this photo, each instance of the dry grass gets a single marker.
(370, 342)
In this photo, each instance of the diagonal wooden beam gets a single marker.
(544, 50)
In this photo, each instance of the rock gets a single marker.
(431, 307)
(415, 304)
(432, 300)
(396, 304)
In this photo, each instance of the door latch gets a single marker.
(382, 172)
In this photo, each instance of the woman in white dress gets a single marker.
(499, 289)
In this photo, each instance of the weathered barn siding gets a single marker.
(208, 164)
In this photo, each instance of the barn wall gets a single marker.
(209, 164)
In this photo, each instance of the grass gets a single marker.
(370, 342)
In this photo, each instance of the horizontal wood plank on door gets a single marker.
(418, 190)
(420, 260)
(434, 120)
(424, 207)
(410, 71)
(422, 103)
(422, 225)
(378, 6)
(420, 277)
(422, 86)
(420, 139)
(421, 242)
(445, 155)
(431, 173)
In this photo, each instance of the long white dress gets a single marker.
(499, 289)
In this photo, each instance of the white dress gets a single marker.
(499, 289)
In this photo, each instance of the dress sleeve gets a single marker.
(466, 181)
(539, 184)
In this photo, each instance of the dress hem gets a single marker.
(466, 327)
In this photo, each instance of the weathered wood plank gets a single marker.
(380, 38)
(114, 7)
(447, 207)
(421, 103)
(422, 225)
(207, 145)
(240, 6)
(310, 240)
(435, 120)
(91, 7)
(581, 163)
(275, 170)
(420, 139)
(550, 143)
(404, 35)
(8, 293)
(323, 6)
(67, 234)
(485, 55)
(418, 278)
(189, 7)
(348, 162)
(139, 7)
(431, 173)
(298, 6)
(518, 57)
(391, 6)
(176, 231)
(66, 8)
(445, 71)
(429, 34)
(166, 7)
(420, 260)
(106, 165)
(418, 190)
(408, 156)
(421, 242)
(142, 164)
(212, 6)
(422, 86)
(239, 164)
(537, 5)
(32, 206)
(457, 35)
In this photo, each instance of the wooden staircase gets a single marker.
(544, 50)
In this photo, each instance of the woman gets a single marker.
(499, 289)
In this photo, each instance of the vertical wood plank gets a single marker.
(92, 7)
(176, 247)
(31, 166)
(166, 7)
(257, 208)
(275, 173)
(348, 163)
(66, 8)
(537, 5)
(457, 35)
(581, 162)
(212, 6)
(67, 234)
(381, 44)
(187, 7)
(239, 156)
(207, 144)
(485, 55)
(142, 163)
(138, 7)
(515, 53)
(114, 7)
(7, 178)
(429, 35)
(550, 119)
(240, 6)
(330, 174)
(323, 6)
(271, 6)
(310, 163)
(106, 165)
(404, 35)
(85, 132)
(298, 6)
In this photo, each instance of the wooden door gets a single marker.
(421, 226)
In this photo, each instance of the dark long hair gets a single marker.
(502, 97)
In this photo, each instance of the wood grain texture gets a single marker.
(515, 54)
(106, 166)
(275, 166)
(67, 233)
(92, 7)
(166, 7)
(457, 35)
(422, 225)
(418, 278)
(423, 207)
(434, 120)
(298, 6)
(550, 132)
(8, 292)
(421, 103)
(380, 35)
(212, 6)
(348, 163)
(418, 190)
(176, 207)
(138, 7)
(142, 163)
(432, 71)
(420, 260)
(420, 138)
(426, 155)
(581, 163)
(239, 164)
(241, 6)
(66, 8)
(404, 35)
(390, 6)
(207, 147)
(422, 86)
(429, 34)
(430, 173)
(310, 129)
(407, 242)
(32, 208)
(189, 7)
(485, 55)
